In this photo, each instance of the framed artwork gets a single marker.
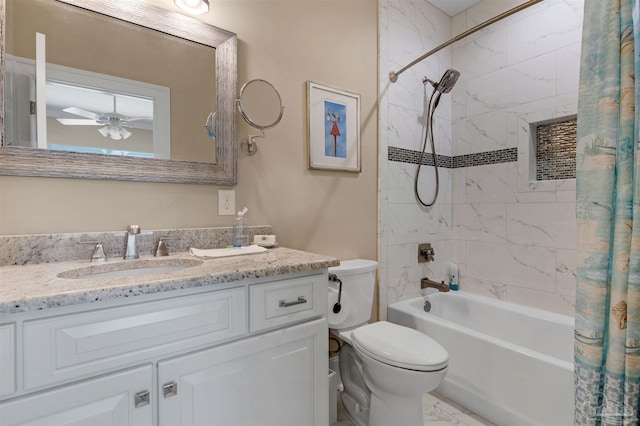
(334, 128)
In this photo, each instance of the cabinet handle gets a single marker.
(285, 304)
(170, 389)
(141, 399)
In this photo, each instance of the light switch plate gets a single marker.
(226, 202)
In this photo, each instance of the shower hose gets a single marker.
(428, 136)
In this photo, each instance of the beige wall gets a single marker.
(287, 43)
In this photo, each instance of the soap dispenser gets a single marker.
(240, 232)
(453, 276)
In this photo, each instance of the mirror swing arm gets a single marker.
(20, 161)
(249, 145)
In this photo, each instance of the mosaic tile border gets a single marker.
(410, 156)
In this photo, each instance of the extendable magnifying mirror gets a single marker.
(261, 107)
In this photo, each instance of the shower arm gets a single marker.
(393, 75)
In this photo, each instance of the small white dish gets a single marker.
(267, 245)
(265, 240)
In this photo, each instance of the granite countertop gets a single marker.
(37, 287)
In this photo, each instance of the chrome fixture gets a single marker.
(284, 304)
(393, 75)
(261, 107)
(97, 254)
(131, 251)
(194, 7)
(426, 253)
(427, 283)
(446, 83)
(161, 247)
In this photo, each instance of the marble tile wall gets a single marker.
(514, 239)
(408, 28)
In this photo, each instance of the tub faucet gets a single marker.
(426, 283)
(131, 252)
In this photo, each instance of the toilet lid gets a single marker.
(400, 346)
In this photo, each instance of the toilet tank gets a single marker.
(358, 278)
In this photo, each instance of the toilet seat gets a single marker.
(399, 346)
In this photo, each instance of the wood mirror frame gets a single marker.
(17, 161)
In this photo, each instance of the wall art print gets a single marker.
(334, 128)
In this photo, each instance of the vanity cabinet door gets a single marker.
(278, 378)
(117, 399)
(8, 365)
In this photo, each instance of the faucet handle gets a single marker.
(98, 253)
(133, 229)
(161, 247)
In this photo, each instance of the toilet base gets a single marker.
(385, 411)
(358, 415)
(397, 410)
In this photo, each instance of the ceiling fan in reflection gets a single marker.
(114, 124)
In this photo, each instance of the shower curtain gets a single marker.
(607, 335)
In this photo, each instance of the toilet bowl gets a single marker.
(385, 368)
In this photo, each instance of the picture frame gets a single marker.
(334, 128)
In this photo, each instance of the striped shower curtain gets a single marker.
(607, 335)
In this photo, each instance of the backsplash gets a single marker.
(48, 248)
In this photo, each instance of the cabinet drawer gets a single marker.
(7, 359)
(107, 400)
(68, 346)
(283, 302)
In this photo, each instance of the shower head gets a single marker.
(446, 83)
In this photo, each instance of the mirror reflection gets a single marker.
(260, 104)
(82, 119)
(112, 87)
(119, 57)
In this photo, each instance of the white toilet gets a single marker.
(385, 368)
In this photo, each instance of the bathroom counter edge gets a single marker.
(38, 287)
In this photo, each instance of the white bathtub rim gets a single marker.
(408, 306)
(509, 306)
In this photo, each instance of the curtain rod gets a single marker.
(393, 75)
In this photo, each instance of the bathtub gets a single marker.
(511, 364)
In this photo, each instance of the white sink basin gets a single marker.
(131, 268)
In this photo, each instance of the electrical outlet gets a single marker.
(226, 202)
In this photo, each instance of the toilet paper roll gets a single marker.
(336, 319)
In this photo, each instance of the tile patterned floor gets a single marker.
(438, 411)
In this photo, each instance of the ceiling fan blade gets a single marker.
(82, 112)
(79, 122)
(129, 119)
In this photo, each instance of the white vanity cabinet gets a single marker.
(118, 399)
(250, 352)
(7, 359)
(271, 379)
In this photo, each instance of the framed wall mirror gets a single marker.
(128, 89)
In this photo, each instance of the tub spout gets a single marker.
(426, 283)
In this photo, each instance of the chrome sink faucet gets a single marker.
(131, 252)
(426, 283)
